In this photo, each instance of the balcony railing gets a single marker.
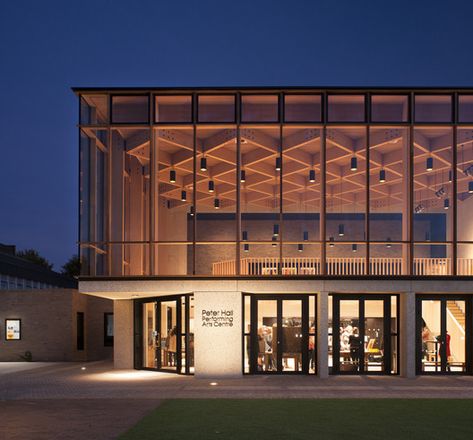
(341, 266)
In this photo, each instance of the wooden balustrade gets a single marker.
(340, 266)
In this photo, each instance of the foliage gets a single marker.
(33, 256)
(72, 267)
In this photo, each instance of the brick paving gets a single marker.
(65, 401)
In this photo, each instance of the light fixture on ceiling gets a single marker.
(354, 247)
(331, 242)
(183, 196)
(341, 229)
(275, 229)
(300, 247)
(217, 203)
(211, 186)
(382, 176)
(274, 241)
(191, 211)
(311, 176)
(244, 235)
(203, 164)
(242, 176)
(388, 244)
(306, 235)
(446, 204)
(246, 247)
(172, 176)
(278, 163)
(354, 163)
(450, 175)
(470, 187)
(429, 164)
(427, 236)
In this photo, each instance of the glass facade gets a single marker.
(276, 182)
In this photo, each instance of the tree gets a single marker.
(33, 256)
(72, 267)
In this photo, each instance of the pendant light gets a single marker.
(300, 247)
(382, 176)
(427, 236)
(306, 235)
(470, 187)
(275, 229)
(278, 163)
(244, 235)
(242, 176)
(172, 176)
(331, 241)
(354, 163)
(341, 229)
(274, 241)
(354, 247)
(203, 164)
(450, 176)
(191, 211)
(183, 196)
(429, 164)
(446, 204)
(217, 203)
(388, 244)
(211, 186)
(246, 247)
(311, 176)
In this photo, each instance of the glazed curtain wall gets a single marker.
(276, 184)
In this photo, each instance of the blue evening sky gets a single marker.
(48, 46)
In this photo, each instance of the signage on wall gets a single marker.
(12, 329)
(217, 318)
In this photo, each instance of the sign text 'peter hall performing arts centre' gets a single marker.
(281, 230)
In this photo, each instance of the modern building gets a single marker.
(44, 318)
(281, 230)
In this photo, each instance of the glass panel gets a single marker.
(247, 333)
(433, 213)
(433, 108)
(190, 348)
(267, 335)
(389, 108)
(131, 109)
(388, 184)
(216, 108)
(302, 108)
(346, 184)
(301, 193)
(312, 327)
(93, 192)
(346, 259)
(259, 108)
(94, 109)
(301, 259)
(150, 335)
(465, 184)
(168, 334)
(259, 259)
(173, 259)
(330, 332)
(432, 259)
(350, 342)
(388, 259)
(346, 108)
(130, 196)
(431, 335)
(465, 259)
(173, 108)
(465, 108)
(455, 338)
(291, 335)
(374, 335)
(215, 259)
(216, 184)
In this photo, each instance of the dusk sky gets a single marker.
(47, 47)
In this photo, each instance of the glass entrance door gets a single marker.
(281, 334)
(165, 337)
(443, 334)
(364, 334)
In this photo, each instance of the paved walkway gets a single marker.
(65, 401)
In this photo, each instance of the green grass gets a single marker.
(293, 419)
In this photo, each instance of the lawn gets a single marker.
(323, 419)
